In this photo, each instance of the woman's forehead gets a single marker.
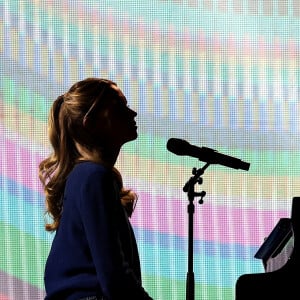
(117, 91)
(115, 88)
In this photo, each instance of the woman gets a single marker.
(94, 253)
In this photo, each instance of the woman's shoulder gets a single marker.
(84, 168)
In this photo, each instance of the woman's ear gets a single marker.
(85, 122)
(89, 124)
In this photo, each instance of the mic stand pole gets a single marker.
(189, 188)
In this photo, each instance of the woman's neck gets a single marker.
(107, 157)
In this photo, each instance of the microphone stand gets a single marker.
(189, 188)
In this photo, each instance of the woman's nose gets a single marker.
(133, 112)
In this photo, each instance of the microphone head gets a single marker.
(211, 156)
(177, 146)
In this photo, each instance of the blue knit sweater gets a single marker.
(94, 250)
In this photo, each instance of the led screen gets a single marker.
(222, 74)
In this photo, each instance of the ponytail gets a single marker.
(53, 170)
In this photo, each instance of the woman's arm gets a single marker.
(100, 210)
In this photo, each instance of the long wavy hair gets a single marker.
(65, 128)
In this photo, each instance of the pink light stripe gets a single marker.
(218, 223)
(20, 164)
(224, 224)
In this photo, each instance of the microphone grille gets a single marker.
(177, 146)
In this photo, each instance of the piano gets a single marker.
(280, 256)
(278, 246)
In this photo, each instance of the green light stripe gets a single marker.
(24, 99)
(22, 256)
(262, 162)
(163, 288)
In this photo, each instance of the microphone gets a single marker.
(182, 147)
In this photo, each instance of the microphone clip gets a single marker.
(189, 186)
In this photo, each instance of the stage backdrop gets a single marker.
(218, 73)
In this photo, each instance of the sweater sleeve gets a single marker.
(100, 213)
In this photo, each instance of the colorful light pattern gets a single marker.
(224, 74)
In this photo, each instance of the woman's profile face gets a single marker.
(115, 121)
